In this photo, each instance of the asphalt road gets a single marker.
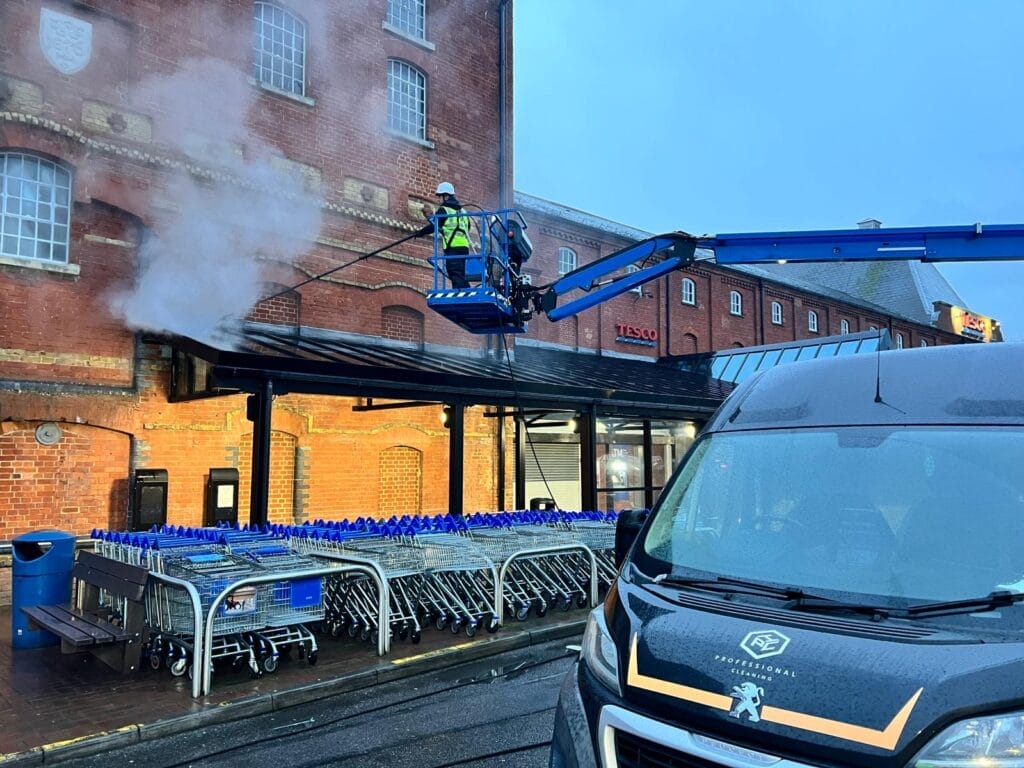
(493, 712)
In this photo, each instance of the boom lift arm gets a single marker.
(506, 299)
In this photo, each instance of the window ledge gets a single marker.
(281, 92)
(407, 137)
(426, 45)
(44, 266)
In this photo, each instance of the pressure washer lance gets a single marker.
(340, 267)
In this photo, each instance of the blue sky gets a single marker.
(761, 115)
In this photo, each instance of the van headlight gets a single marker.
(993, 742)
(598, 651)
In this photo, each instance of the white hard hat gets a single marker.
(445, 188)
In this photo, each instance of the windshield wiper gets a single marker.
(796, 599)
(989, 602)
(731, 585)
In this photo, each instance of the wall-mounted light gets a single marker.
(574, 424)
(446, 416)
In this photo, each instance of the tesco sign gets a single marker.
(635, 334)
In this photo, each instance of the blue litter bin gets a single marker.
(40, 575)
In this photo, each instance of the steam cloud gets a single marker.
(201, 263)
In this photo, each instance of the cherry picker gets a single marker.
(502, 299)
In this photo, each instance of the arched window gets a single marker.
(689, 292)
(776, 313)
(844, 326)
(407, 100)
(279, 48)
(409, 17)
(567, 260)
(812, 321)
(35, 207)
(924, 342)
(735, 303)
(899, 341)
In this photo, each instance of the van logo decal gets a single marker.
(748, 701)
(764, 643)
(883, 738)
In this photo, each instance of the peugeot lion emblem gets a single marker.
(748, 701)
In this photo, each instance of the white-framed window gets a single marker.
(899, 341)
(776, 313)
(735, 303)
(567, 260)
(409, 17)
(639, 290)
(407, 99)
(924, 342)
(689, 292)
(35, 207)
(279, 48)
(844, 326)
(812, 321)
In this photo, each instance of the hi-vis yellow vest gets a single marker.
(454, 228)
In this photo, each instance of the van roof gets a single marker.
(956, 384)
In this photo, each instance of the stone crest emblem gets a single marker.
(66, 41)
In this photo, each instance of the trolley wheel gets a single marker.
(190, 672)
(365, 634)
(403, 632)
(456, 626)
(566, 603)
(255, 674)
(582, 600)
(353, 630)
(336, 629)
(542, 609)
(178, 667)
(415, 636)
(238, 662)
(471, 629)
(522, 613)
(312, 658)
(269, 664)
(155, 661)
(441, 622)
(493, 625)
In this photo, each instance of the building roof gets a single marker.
(322, 362)
(906, 289)
(558, 211)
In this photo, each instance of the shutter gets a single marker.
(560, 461)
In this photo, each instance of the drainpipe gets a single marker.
(503, 201)
(760, 308)
(668, 317)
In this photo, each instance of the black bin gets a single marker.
(149, 499)
(542, 503)
(221, 497)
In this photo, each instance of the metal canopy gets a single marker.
(316, 362)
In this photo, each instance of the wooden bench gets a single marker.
(113, 632)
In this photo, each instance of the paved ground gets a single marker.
(493, 711)
(54, 706)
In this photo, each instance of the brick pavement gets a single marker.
(47, 697)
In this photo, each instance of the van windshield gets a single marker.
(911, 514)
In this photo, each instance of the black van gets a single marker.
(834, 576)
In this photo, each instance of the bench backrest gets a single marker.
(111, 575)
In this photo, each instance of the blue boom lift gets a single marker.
(503, 300)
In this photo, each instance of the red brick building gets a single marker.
(165, 172)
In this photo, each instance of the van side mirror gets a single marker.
(626, 528)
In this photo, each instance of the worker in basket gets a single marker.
(454, 233)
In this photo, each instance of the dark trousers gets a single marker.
(456, 268)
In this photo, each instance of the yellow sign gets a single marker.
(971, 325)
